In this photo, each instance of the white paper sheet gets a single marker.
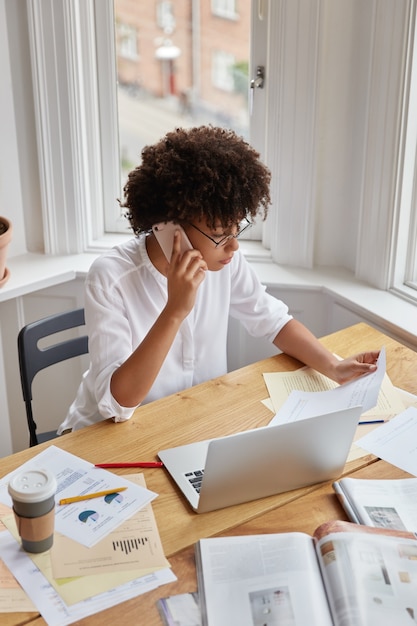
(362, 391)
(48, 602)
(395, 441)
(90, 520)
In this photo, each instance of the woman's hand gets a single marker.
(133, 379)
(185, 274)
(355, 366)
(297, 341)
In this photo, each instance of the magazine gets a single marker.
(345, 575)
(382, 503)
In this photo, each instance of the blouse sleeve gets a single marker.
(261, 314)
(110, 344)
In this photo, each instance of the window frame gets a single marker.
(78, 147)
(404, 257)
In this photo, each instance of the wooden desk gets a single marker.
(300, 515)
(222, 406)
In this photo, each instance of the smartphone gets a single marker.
(164, 233)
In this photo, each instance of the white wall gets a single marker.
(54, 388)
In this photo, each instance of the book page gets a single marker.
(380, 503)
(261, 580)
(370, 578)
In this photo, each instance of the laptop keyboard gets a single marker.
(195, 478)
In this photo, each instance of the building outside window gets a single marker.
(182, 77)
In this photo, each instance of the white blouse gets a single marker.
(125, 293)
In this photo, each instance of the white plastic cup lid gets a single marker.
(32, 486)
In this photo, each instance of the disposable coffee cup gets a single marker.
(33, 496)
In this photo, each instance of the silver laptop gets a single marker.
(218, 473)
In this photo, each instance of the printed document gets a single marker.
(50, 604)
(134, 545)
(87, 521)
(395, 441)
(12, 597)
(362, 391)
(131, 551)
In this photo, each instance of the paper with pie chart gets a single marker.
(87, 521)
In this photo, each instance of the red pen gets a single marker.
(141, 464)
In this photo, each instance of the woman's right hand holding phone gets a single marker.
(185, 274)
(132, 381)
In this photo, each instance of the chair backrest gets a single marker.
(32, 358)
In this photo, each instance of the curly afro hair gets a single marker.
(199, 173)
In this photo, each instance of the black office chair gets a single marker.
(32, 358)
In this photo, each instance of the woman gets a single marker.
(158, 325)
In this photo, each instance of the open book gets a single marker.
(345, 575)
(390, 503)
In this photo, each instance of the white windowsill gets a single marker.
(32, 272)
(389, 311)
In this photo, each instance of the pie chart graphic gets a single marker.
(86, 516)
(113, 497)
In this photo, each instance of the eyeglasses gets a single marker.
(224, 240)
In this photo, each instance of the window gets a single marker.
(224, 8)
(404, 266)
(326, 122)
(165, 16)
(127, 41)
(176, 81)
(222, 68)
